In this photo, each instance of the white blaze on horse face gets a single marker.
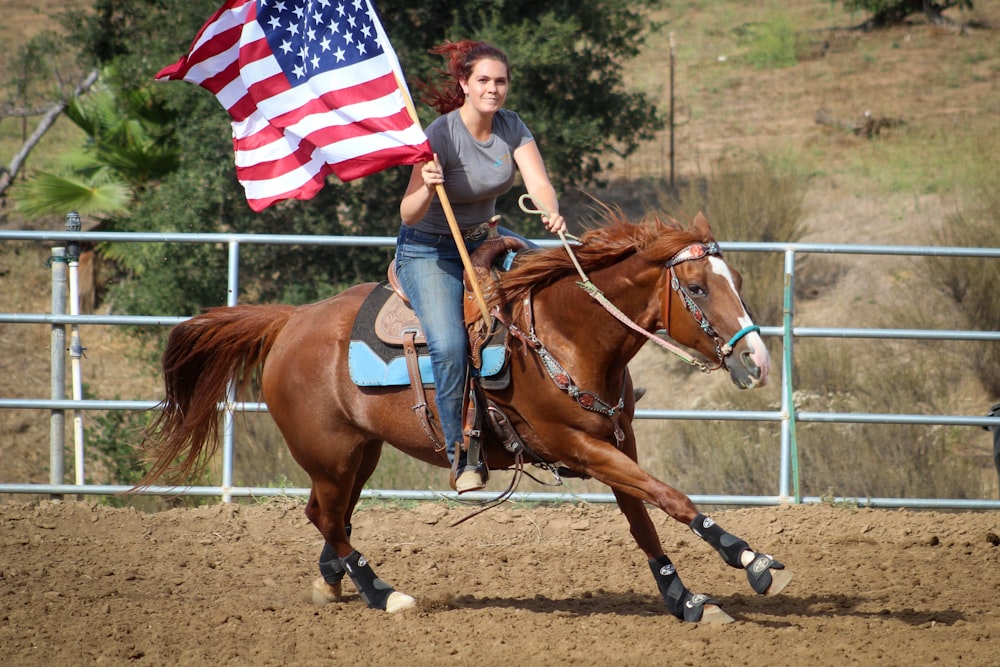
(758, 351)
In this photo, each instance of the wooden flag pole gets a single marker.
(453, 224)
(464, 252)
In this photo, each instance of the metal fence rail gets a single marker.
(787, 416)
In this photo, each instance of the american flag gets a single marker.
(313, 87)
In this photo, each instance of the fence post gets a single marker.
(228, 417)
(75, 346)
(673, 125)
(57, 373)
(789, 448)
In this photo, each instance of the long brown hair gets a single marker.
(446, 93)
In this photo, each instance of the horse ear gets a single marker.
(702, 228)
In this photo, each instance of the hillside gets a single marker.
(895, 188)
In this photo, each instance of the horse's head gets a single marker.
(702, 309)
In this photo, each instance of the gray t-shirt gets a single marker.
(475, 172)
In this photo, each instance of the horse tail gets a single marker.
(203, 356)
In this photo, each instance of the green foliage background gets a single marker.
(568, 86)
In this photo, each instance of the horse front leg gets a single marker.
(627, 479)
(766, 575)
(682, 603)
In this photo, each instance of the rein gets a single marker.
(692, 252)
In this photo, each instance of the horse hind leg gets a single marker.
(766, 575)
(328, 586)
(333, 566)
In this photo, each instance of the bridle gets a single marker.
(693, 252)
(561, 377)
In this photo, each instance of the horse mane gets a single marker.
(657, 238)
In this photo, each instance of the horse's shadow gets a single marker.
(834, 605)
(782, 610)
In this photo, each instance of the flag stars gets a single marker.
(310, 37)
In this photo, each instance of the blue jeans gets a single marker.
(430, 270)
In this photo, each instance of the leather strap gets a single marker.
(472, 433)
(420, 407)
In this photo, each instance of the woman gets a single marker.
(477, 144)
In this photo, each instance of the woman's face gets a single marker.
(486, 87)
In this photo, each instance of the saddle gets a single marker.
(396, 319)
(386, 326)
(388, 346)
(485, 271)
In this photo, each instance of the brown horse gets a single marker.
(569, 397)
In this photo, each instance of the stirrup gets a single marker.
(471, 479)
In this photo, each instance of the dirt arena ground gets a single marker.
(83, 584)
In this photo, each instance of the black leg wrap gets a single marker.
(729, 546)
(330, 566)
(373, 590)
(759, 572)
(680, 601)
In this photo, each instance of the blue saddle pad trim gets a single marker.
(369, 370)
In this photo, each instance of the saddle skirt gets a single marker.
(376, 355)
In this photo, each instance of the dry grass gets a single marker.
(903, 187)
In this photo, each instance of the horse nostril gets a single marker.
(750, 365)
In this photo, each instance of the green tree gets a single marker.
(893, 12)
(568, 86)
(129, 145)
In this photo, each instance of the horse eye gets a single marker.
(695, 289)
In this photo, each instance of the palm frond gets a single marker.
(100, 193)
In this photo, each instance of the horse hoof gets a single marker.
(398, 602)
(713, 614)
(779, 579)
(766, 575)
(324, 593)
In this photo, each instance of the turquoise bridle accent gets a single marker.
(753, 328)
(699, 251)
